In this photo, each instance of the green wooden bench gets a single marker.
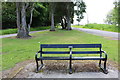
(70, 52)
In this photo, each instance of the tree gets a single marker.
(67, 10)
(113, 16)
(41, 15)
(31, 8)
(118, 14)
(70, 11)
(8, 15)
(80, 10)
(23, 28)
(60, 11)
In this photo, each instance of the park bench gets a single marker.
(70, 52)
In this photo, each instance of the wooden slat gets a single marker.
(54, 58)
(87, 58)
(73, 58)
(85, 52)
(73, 45)
(73, 52)
(55, 52)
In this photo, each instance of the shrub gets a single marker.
(11, 31)
(105, 27)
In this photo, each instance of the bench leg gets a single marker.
(39, 67)
(104, 69)
(100, 63)
(41, 62)
(70, 67)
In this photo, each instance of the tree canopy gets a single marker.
(40, 15)
(33, 14)
(80, 10)
(113, 16)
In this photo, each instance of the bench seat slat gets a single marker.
(73, 52)
(73, 58)
(86, 52)
(54, 58)
(88, 58)
(55, 52)
(73, 45)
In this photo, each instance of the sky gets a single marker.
(96, 11)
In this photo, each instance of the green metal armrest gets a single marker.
(37, 54)
(105, 54)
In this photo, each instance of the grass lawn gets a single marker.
(17, 50)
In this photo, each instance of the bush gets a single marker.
(105, 27)
(11, 31)
(8, 31)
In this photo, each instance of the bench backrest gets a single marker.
(72, 46)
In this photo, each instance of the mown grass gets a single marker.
(12, 31)
(17, 50)
(105, 27)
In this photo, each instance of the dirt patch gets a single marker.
(27, 68)
(13, 71)
(113, 65)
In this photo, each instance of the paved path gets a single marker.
(99, 32)
(10, 35)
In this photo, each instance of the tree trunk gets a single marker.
(18, 15)
(23, 31)
(68, 18)
(52, 16)
(69, 23)
(31, 14)
(52, 22)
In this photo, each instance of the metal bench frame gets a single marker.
(70, 58)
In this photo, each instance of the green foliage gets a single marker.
(80, 26)
(105, 27)
(8, 31)
(61, 11)
(8, 11)
(11, 31)
(112, 16)
(80, 10)
(119, 13)
(8, 14)
(40, 15)
(13, 52)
